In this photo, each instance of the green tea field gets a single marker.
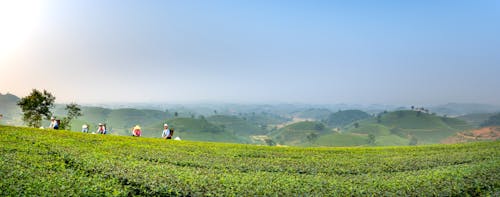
(47, 163)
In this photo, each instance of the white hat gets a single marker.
(52, 118)
(165, 125)
(100, 124)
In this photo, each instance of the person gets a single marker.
(53, 123)
(166, 134)
(136, 131)
(101, 129)
(85, 128)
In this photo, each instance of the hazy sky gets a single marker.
(387, 52)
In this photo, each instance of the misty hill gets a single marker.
(404, 125)
(237, 125)
(393, 128)
(199, 129)
(493, 120)
(299, 133)
(313, 113)
(343, 118)
(476, 119)
(458, 109)
(10, 111)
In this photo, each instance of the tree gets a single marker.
(371, 139)
(176, 114)
(73, 112)
(312, 136)
(36, 106)
(413, 141)
(319, 126)
(269, 142)
(356, 125)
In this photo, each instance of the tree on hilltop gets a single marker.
(36, 106)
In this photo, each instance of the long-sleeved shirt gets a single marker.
(53, 124)
(165, 133)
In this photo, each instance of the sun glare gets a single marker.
(18, 21)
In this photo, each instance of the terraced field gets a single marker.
(45, 162)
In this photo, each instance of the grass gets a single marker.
(47, 162)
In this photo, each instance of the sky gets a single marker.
(256, 51)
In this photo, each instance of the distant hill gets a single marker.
(11, 113)
(237, 125)
(313, 113)
(493, 120)
(199, 129)
(343, 118)
(300, 133)
(406, 125)
(458, 109)
(476, 119)
(482, 134)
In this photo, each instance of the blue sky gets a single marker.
(386, 52)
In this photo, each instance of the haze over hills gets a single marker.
(279, 124)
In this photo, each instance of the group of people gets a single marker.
(101, 129)
(167, 133)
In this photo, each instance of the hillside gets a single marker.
(458, 109)
(199, 129)
(300, 133)
(313, 113)
(425, 128)
(481, 134)
(343, 118)
(476, 119)
(11, 113)
(237, 125)
(493, 120)
(36, 162)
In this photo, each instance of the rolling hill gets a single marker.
(476, 119)
(343, 118)
(404, 125)
(299, 134)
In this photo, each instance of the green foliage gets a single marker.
(371, 139)
(343, 118)
(74, 111)
(36, 162)
(492, 121)
(36, 106)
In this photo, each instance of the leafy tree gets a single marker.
(73, 112)
(319, 126)
(36, 106)
(269, 142)
(371, 139)
(413, 141)
(176, 114)
(312, 136)
(356, 125)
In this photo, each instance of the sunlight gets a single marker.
(18, 20)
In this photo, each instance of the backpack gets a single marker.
(171, 132)
(58, 122)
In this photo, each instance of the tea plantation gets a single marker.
(47, 163)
